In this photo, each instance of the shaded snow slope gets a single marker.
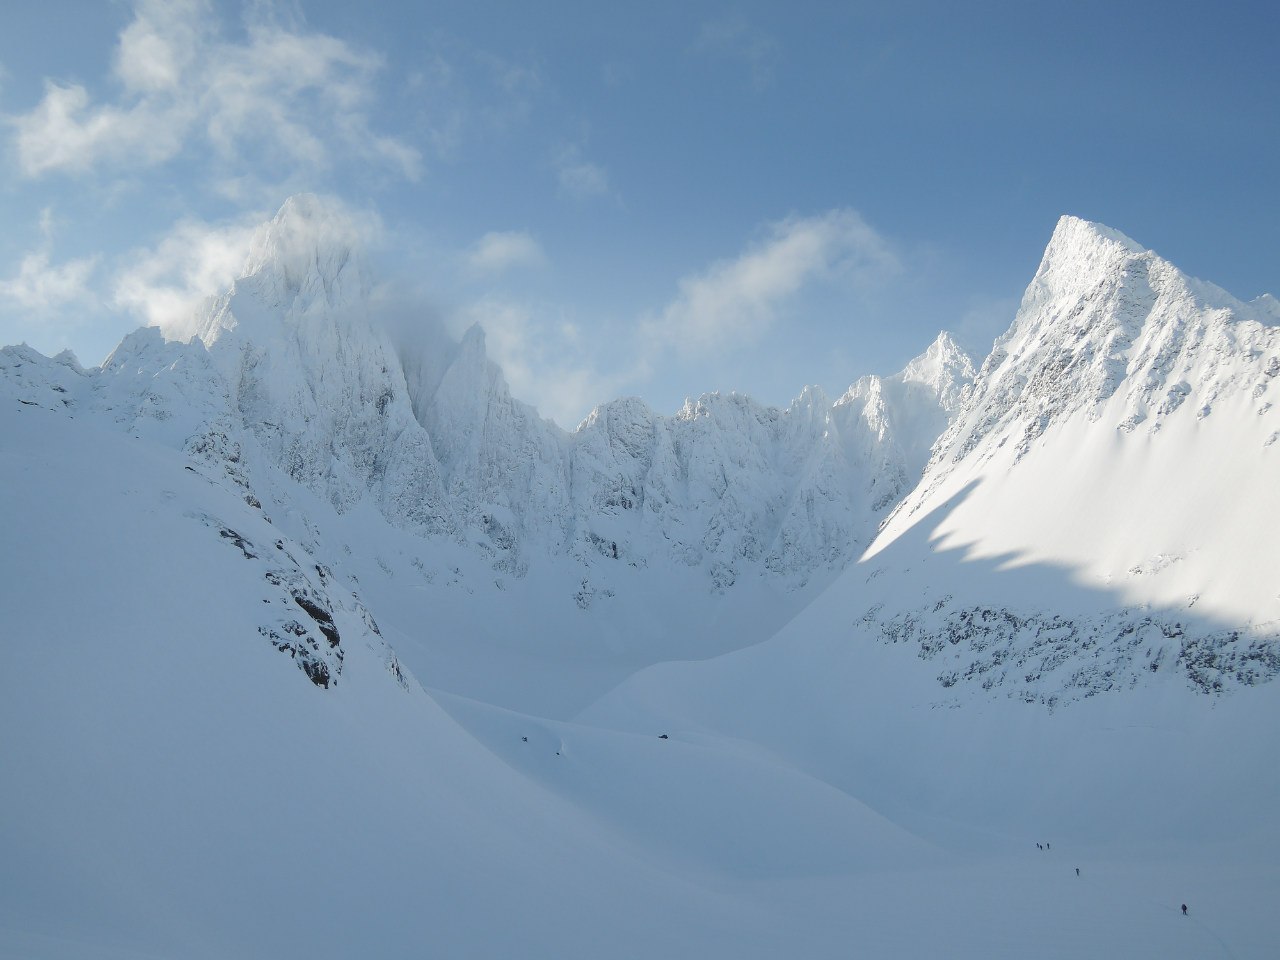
(175, 785)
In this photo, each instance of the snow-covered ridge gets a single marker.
(290, 372)
(1104, 318)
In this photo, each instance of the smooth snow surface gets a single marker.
(316, 646)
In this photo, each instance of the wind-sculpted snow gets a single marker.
(312, 379)
(905, 414)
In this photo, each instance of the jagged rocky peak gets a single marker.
(627, 425)
(1111, 330)
(305, 262)
(895, 420)
(944, 368)
(310, 245)
(1095, 288)
(68, 359)
(1115, 431)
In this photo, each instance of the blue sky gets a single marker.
(655, 200)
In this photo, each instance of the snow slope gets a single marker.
(175, 786)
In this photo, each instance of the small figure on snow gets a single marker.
(1077, 871)
(1039, 846)
(1184, 909)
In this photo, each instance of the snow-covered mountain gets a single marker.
(288, 372)
(1121, 433)
(320, 642)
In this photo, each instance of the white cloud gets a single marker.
(580, 179)
(62, 134)
(497, 252)
(736, 301)
(161, 44)
(164, 285)
(282, 92)
(40, 286)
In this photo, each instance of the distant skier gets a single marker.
(1077, 871)
(1039, 846)
(1184, 909)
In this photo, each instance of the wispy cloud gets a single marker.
(497, 252)
(735, 39)
(39, 287)
(541, 356)
(282, 92)
(736, 301)
(579, 178)
(164, 284)
(729, 305)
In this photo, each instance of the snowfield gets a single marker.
(319, 644)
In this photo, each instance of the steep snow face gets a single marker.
(726, 485)
(311, 378)
(503, 467)
(1102, 504)
(903, 415)
(738, 488)
(1108, 329)
(718, 485)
